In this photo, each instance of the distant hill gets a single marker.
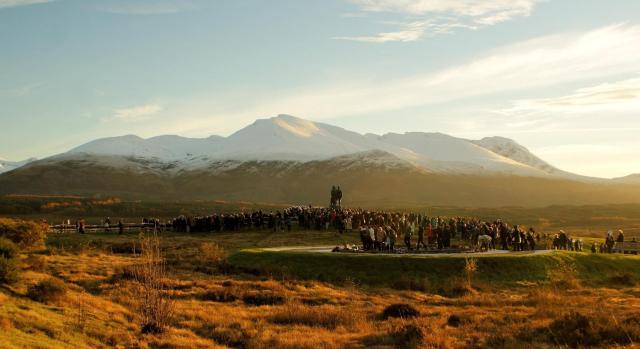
(6, 166)
(291, 160)
(630, 179)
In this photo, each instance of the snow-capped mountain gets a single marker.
(288, 138)
(164, 148)
(286, 159)
(6, 166)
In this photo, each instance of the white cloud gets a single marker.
(412, 31)
(149, 7)
(477, 9)
(16, 3)
(618, 96)
(431, 17)
(527, 66)
(546, 61)
(136, 113)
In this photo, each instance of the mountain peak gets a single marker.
(290, 138)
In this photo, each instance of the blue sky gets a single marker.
(562, 77)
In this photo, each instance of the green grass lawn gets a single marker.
(397, 270)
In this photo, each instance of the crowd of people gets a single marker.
(385, 231)
(379, 230)
(382, 231)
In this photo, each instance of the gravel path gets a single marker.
(328, 249)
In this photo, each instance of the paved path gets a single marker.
(328, 249)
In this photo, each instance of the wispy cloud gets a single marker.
(411, 31)
(136, 113)
(149, 7)
(432, 17)
(618, 96)
(16, 3)
(546, 61)
(531, 65)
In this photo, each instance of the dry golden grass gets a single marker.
(243, 311)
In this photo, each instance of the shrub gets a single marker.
(36, 262)
(8, 249)
(456, 320)
(574, 330)
(25, 234)
(400, 311)
(9, 270)
(265, 298)
(211, 259)
(622, 279)
(217, 296)
(48, 290)
(408, 337)
(329, 317)
(156, 307)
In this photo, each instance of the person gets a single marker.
(372, 237)
(380, 239)
(81, 226)
(107, 224)
(407, 237)
(421, 230)
(333, 197)
(609, 242)
(620, 236)
(120, 227)
(393, 236)
(531, 240)
(339, 197)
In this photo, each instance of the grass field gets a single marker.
(227, 291)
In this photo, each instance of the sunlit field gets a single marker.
(226, 290)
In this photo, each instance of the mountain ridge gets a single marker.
(289, 138)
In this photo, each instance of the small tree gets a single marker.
(156, 307)
(470, 268)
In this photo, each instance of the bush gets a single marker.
(456, 320)
(400, 311)
(36, 262)
(622, 279)
(25, 234)
(9, 270)
(260, 299)
(409, 337)
(574, 330)
(8, 249)
(217, 296)
(329, 317)
(48, 290)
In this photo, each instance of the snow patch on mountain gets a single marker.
(6, 166)
(288, 138)
(514, 151)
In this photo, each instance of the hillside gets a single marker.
(374, 179)
(286, 159)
